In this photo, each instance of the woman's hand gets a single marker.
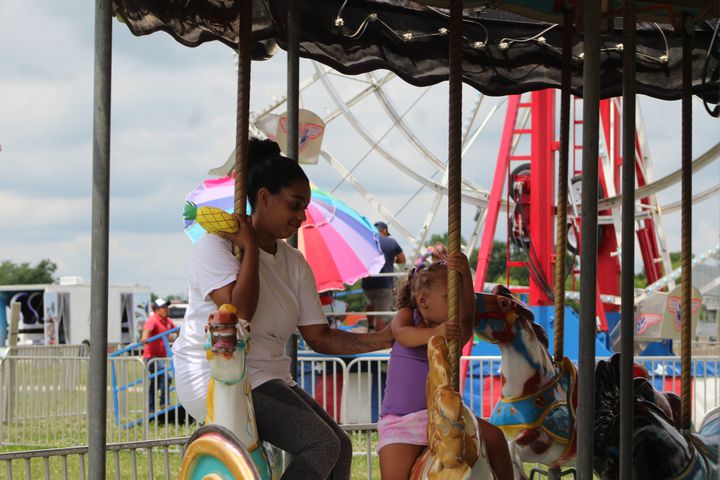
(451, 331)
(386, 334)
(245, 237)
(459, 262)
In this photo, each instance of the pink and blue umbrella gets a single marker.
(340, 245)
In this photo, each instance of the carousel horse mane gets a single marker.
(660, 450)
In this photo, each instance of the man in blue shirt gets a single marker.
(379, 290)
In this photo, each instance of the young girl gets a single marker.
(422, 313)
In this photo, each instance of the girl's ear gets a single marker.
(420, 298)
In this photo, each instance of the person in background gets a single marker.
(157, 323)
(433, 254)
(379, 290)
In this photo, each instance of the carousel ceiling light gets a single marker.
(503, 44)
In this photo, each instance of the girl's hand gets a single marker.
(459, 262)
(451, 331)
(245, 237)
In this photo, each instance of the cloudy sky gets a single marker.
(173, 118)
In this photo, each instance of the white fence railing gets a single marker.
(43, 399)
(150, 459)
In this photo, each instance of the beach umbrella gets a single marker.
(340, 245)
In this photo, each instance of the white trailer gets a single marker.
(55, 314)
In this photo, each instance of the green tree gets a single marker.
(437, 238)
(498, 261)
(25, 274)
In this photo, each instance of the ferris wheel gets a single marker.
(378, 127)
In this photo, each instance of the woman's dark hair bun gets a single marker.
(268, 168)
(261, 150)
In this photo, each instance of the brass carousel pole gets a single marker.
(243, 107)
(686, 224)
(563, 165)
(555, 473)
(454, 174)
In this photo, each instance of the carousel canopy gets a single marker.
(504, 52)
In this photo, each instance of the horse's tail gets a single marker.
(607, 402)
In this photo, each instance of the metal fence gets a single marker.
(43, 399)
(152, 459)
(82, 350)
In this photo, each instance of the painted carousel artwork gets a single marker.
(228, 446)
(536, 410)
(456, 450)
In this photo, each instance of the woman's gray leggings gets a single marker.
(291, 420)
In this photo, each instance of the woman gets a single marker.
(275, 289)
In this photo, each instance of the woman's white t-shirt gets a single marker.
(288, 299)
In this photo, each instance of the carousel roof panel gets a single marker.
(504, 52)
(667, 11)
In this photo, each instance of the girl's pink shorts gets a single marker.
(410, 429)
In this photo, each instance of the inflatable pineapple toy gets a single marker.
(212, 219)
(227, 447)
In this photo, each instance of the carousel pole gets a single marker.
(454, 174)
(555, 473)
(293, 77)
(243, 108)
(563, 165)
(97, 374)
(627, 309)
(686, 225)
(293, 106)
(588, 253)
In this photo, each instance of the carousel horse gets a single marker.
(660, 450)
(228, 446)
(536, 410)
(456, 451)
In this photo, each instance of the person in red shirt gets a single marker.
(156, 324)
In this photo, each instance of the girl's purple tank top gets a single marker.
(406, 378)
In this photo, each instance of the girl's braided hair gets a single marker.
(418, 278)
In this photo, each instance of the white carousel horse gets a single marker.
(536, 410)
(228, 446)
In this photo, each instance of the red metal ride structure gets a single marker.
(526, 181)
